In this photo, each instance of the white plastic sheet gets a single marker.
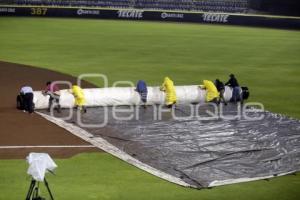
(127, 96)
(39, 164)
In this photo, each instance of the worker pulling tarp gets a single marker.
(169, 89)
(212, 94)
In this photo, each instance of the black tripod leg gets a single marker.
(47, 186)
(35, 192)
(31, 187)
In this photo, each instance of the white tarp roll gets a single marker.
(127, 96)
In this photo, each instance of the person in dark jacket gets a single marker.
(221, 89)
(141, 88)
(236, 90)
(26, 94)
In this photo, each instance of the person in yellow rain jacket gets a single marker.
(79, 98)
(212, 94)
(169, 89)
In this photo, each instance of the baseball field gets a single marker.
(265, 60)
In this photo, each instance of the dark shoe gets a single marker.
(58, 109)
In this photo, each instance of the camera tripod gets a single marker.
(33, 192)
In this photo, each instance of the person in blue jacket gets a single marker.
(141, 88)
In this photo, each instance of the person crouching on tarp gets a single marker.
(141, 88)
(236, 90)
(79, 98)
(26, 97)
(212, 94)
(221, 89)
(169, 89)
(54, 94)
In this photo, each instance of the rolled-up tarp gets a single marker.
(127, 96)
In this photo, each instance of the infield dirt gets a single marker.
(22, 129)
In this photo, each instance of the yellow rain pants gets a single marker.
(79, 95)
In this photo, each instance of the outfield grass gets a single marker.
(102, 177)
(266, 60)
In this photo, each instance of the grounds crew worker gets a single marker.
(221, 89)
(141, 88)
(53, 91)
(236, 90)
(212, 94)
(26, 94)
(79, 98)
(169, 89)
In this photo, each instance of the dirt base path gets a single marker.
(21, 133)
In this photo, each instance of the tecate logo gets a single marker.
(214, 17)
(137, 14)
(165, 15)
(88, 12)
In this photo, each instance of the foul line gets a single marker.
(47, 146)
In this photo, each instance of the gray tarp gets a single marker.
(202, 151)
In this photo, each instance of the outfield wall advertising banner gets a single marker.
(134, 14)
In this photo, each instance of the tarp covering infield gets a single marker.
(193, 150)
